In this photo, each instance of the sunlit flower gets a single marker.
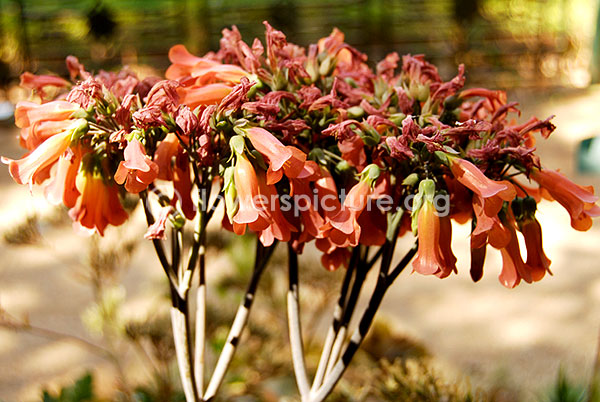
(34, 168)
(39, 122)
(203, 81)
(62, 187)
(39, 82)
(428, 260)
(204, 70)
(198, 95)
(98, 205)
(137, 170)
(157, 229)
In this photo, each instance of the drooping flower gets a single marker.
(98, 205)
(157, 229)
(246, 185)
(35, 166)
(62, 187)
(173, 165)
(39, 82)
(448, 258)
(471, 177)
(536, 258)
(137, 170)
(182, 185)
(489, 228)
(303, 198)
(282, 159)
(513, 267)
(434, 255)
(39, 122)
(343, 228)
(333, 257)
(163, 157)
(579, 201)
(268, 204)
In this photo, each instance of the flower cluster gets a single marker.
(273, 120)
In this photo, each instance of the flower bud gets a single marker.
(230, 193)
(355, 112)
(426, 194)
(237, 144)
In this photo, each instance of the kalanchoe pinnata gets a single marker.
(304, 144)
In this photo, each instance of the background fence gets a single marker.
(505, 43)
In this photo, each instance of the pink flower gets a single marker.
(157, 229)
(137, 170)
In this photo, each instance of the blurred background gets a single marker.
(62, 297)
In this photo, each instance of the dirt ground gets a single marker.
(516, 338)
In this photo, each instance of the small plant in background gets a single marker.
(298, 145)
(566, 390)
(81, 391)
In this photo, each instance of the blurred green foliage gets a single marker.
(80, 391)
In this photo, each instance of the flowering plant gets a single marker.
(299, 145)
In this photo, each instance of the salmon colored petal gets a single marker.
(357, 197)
(246, 184)
(471, 177)
(178, 54)
(182, 183)
(27, 113)
(164, 154)
(135, 156)
(25, 170)
(195, 96)
(295, 164)
(445, 246)
(428, 260)
(269, 146)
(62, 188)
